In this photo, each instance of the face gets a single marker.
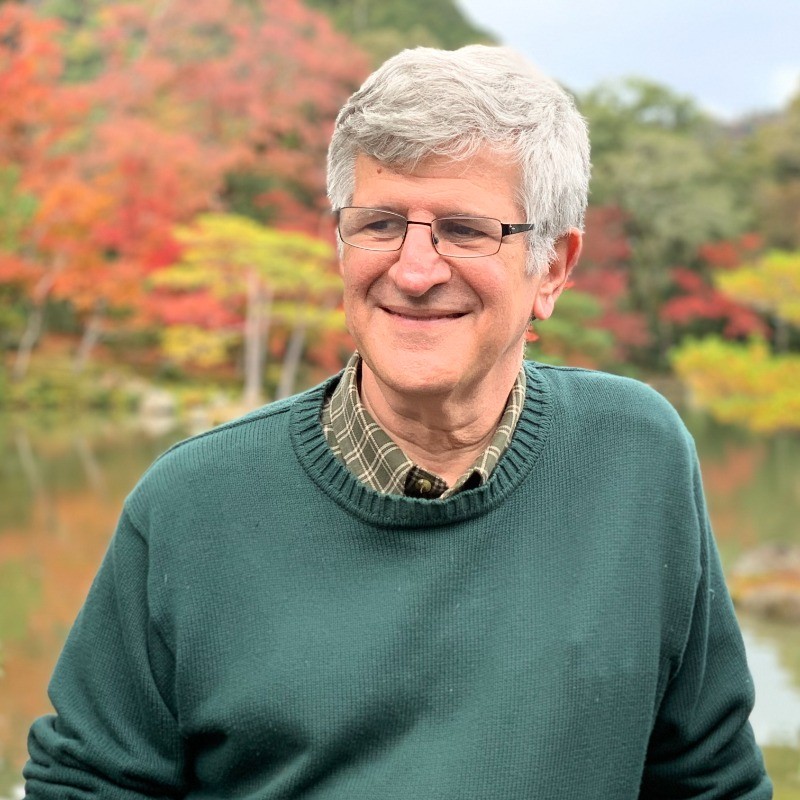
(430, 325)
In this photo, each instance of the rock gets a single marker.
(157, 403)
(766, 581)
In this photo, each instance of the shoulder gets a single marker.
(612, 407)
(256, 446)
(233, 439)
(597, 393)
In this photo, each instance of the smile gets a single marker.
(415, 315)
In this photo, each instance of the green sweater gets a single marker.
(265, 626)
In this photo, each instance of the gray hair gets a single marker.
(426, 102)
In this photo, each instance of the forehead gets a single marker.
(485, 184)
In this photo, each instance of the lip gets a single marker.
(423, 315)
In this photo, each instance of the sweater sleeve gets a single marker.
(114, 734)
(702, 745)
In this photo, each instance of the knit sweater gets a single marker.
(265, 626)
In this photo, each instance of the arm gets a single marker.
(702, 745)
(115, 733)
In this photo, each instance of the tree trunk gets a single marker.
(256, 329)
(33, 327)
(30, 336)
(252, 342)
(294, 351)
(91, 336)
(781, 335)
(291, 360)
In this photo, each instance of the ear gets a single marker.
(552, 283)
(341, 255)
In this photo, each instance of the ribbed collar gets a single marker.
(333, 478)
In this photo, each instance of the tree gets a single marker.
(698, 306)
(30, 70)
(81, 47)
(741, 384)
(153, 179)
(749, 384)
(268, 272)
(604, 273)
(187, 107)
(35, 116)
(386, 27)
(654, 159)
(775, 154)
(571, 335)
(594, 325)
(17, 274)
(772, 287)
(260, 82)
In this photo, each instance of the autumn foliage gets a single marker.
(605, 273)
(126, 125)
(751, 384)
(697, 299)
(742, 384)
(191, 107)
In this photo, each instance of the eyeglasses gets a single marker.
(457, 237)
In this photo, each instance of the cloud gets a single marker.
(784, 83)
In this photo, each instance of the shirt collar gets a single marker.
(374, 458)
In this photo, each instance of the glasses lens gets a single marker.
(371, 228)
(467, 236)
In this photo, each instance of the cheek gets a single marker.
(359, 272)
(507, 293)
(356, 284)
(519, 303)
(351, 283)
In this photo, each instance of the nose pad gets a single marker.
(435, 239)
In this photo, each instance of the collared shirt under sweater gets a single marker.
(368, 451)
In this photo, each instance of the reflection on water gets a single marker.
(62, 487)
(776, 716)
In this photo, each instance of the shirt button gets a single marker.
(424, 485)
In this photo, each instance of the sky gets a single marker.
(733, 57)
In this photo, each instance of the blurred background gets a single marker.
(167, 261)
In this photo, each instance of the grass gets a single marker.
(783, 766)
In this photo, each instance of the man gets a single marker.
(442, 573)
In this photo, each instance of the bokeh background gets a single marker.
(167, 261)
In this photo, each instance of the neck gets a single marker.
(445, 434)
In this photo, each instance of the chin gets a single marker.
(436, 387)
(422, 379)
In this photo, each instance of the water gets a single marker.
(62, 485)
(776, 716)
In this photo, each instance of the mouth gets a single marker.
(423, 315)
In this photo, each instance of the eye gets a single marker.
(466, 230)
(458, 229)
(383, 227)
(375, 224)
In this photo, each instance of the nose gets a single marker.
(419, 267)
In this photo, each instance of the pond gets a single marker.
(62, 486)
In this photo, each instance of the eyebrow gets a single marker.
(397, 209)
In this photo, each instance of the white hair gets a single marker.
(426, 102)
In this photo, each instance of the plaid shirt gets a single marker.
(371, 455)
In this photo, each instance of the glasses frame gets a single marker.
(506, 229)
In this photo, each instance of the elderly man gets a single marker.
(443, 573)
